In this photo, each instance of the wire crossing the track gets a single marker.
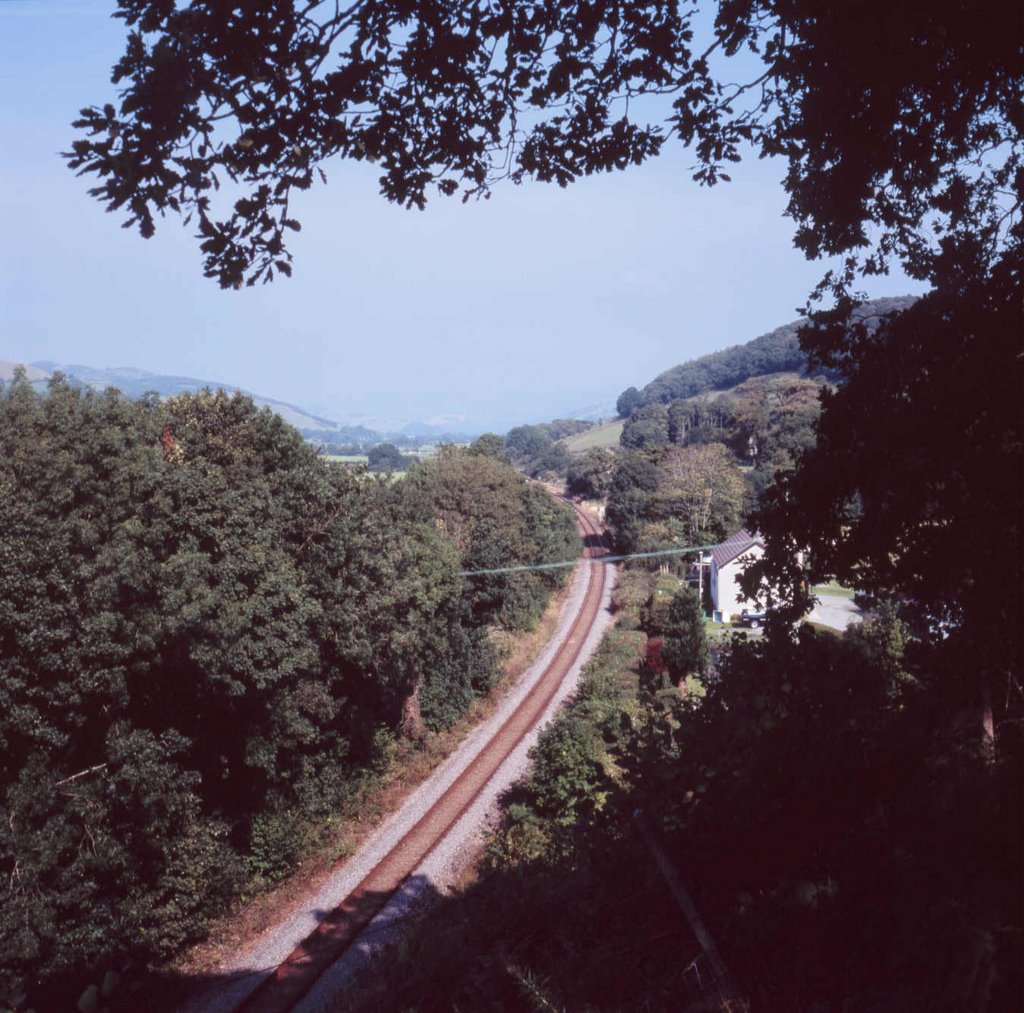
(594, 559)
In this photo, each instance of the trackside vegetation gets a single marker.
(825, 802)
(211, 640)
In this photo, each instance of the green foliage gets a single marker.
(695, 688)
(387, 457)
(646, 427)
(674, 496)
(567, 773)
(466, 672)
(699, 487)
(589, 475)
(383, 748)
(561, 429)
(654, 612)
(767, 422)
(489, 445)
(117, 863)
(493, 518)
(207, 630)
(553, 462)
(632, 590)
(275, 845)
(633, 482)
(572, 770)
(629, 400)
(539, 450)
(686, 644)
(527, 442)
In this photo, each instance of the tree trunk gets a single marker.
(412, 717)
(988, 725)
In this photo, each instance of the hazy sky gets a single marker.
(534, 304)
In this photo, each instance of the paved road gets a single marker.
(836, 611)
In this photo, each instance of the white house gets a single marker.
(728, 561)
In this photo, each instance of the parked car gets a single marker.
(753, 620)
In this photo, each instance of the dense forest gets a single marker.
(210, 640)
(732, 421)
(740, 440)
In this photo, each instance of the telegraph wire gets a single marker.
(594, 559)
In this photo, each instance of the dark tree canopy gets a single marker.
(629, 400)
(589, 474)
(914, 487)
(646, 427)
(387, 457)
(901, 123)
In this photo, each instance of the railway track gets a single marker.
(283, 989)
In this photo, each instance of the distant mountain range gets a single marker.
(7, 369)
(136, 382)
(777, 351)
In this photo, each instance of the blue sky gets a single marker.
(533, 304)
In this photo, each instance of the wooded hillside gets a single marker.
(778, 351)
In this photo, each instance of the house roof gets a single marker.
(735, 545)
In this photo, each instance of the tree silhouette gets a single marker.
(899, 123)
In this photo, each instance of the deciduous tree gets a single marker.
(387, 457)
(629, 400)
(204, 626)
(702, 486)
(589, 474)
(646, 427)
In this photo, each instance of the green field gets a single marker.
(347, 458)
(833, 588)
(600, 436)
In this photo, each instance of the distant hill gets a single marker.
(136, 382)
(440, 431)
(7, 369)
(600, 411)
(775, 352)
(315, 428)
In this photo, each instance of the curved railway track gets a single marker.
(283, 989)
